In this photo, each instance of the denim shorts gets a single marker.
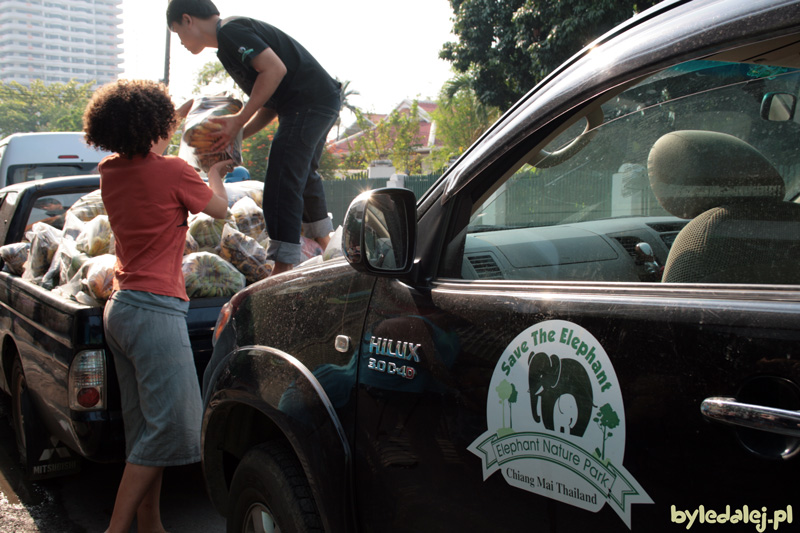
(159, 389)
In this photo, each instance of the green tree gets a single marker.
(394, 138)
(460, 119)
(507, 46)
(214, 74)
(40, 107)
(607, 419)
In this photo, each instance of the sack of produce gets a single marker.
(208, 276)
(88, 206)
(14, 256)
(334, 248)
(44, 240)
(244, 252)
(197, 137)
(99, 276)
(73, 226)
(96, 237)
(240, 189)
(249, 217)
(190, 246)
(207, 230)
(67, 262)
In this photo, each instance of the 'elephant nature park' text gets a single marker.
(566, 337)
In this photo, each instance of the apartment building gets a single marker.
(60, 40)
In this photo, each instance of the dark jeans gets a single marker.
(293, 192)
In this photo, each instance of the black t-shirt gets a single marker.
(240, 39)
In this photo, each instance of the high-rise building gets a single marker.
(60, 40)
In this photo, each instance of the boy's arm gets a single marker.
(271, 71)
(218, 205)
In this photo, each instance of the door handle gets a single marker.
(758, 417)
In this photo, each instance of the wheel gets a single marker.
(270, 493)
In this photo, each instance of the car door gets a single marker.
(575, 359)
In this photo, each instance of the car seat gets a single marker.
(741, 229)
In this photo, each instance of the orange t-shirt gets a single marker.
(148, 200)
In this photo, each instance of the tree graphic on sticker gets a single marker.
(507, 393)
(607, 419)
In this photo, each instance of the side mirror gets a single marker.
(778, 107)
(380, 232)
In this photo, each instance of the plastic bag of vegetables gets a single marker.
(14, 256)
(240, 189)
(207, 231)
(96, 237)
(207, 276)
(44, 240)
(88, 206)
(197, 141)
(98, 276)
(244, 252)
(249, 217)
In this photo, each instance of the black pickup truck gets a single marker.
(54, 361)
(591, 322)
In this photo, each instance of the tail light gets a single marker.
(222, 320)
(87, 381)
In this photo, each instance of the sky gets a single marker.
(387, 50)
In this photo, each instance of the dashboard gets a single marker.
(599, 250)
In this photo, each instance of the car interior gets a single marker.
(690, 175)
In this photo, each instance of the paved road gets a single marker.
(82, 503)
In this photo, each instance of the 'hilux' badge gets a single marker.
(556, 422)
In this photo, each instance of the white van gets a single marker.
(32, 156)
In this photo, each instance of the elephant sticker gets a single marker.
(561, 393)
(570, 444)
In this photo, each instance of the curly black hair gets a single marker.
(129, 116)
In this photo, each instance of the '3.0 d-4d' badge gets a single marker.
(556, 422)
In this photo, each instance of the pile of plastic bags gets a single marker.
(221, 257)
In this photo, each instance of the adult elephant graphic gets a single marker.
(561, 393)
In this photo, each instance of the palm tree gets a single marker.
(346, 94)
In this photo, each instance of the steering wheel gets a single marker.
(550, 159)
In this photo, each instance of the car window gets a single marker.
(689, 176)
(52, 209)
(30, 172)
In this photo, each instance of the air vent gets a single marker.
(629, 243)
(485, 266)
(664, 227)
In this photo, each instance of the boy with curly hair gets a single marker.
(148, 197)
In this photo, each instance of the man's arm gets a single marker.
(271, 71)
(260, 120)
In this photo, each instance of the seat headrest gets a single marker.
(693, 171)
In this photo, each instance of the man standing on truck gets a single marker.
(148, 197)
(282, 79)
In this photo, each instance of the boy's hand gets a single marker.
(221, 168)
(231, 124)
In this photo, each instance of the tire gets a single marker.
(270, 493)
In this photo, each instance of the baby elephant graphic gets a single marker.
(561, 393)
